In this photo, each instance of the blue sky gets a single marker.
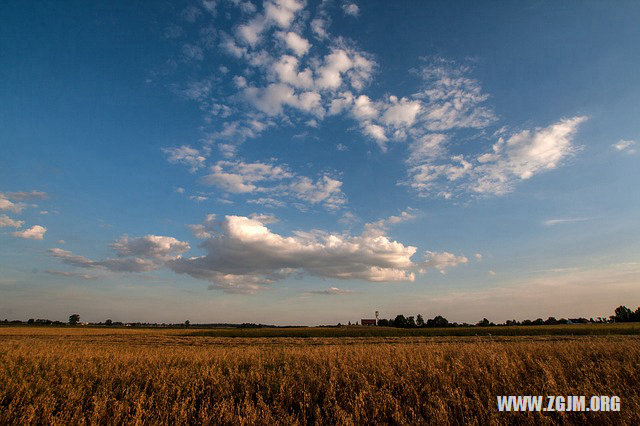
(299, 162)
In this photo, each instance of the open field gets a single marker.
(107, 376)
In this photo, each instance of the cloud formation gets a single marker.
(6, 221)
(276, 181)
(36, 232)
(245, 255)
(511, 159)
(627, 146)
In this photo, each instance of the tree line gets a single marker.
(621, 314)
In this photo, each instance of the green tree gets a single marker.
(108, 322)
(74, 319)
(419, 321)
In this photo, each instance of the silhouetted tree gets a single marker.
(437, 321)
(484, 323)
(411, 322)
(419, 321)
(187, 323)
(400, 321)
(74, 319)
(108, 322)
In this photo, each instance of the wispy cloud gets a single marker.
(331, 291)
(627, 146)
(553, 222)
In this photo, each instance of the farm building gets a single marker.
(368, 322)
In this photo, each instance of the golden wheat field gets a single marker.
(122, 376)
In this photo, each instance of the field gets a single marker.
(156, 376)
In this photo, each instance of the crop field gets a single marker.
(158, 376)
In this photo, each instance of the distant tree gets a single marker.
(512, 322)
(551, 321)
(411, 322)
(74, 319)
(187, 323)
(484, 323)
(400, 321)
(437, 321)
(384, 322)
(349, 323)
(419, 321)
(31, 321)
(538, 321)
(108, 322)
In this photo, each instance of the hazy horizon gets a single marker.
(301, 163)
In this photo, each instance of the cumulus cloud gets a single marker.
(351, 9)
(6, 221)
(278, 181)
(246, 248)
(36, 232)
(627, 146)
(443, 260)
(152, 246)
(204, 230)
(6, 204)
(185, 155)
(299, 45)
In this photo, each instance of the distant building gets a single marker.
(368, 322)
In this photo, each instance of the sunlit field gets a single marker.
(107, 376)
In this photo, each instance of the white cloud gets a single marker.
(351, 9)
(553, 222)
(151, 246)
(185, 155)
(401, 113)
(246, 255)
(198, 198)
(427, 147)
(244, 178)
(264, 219)
(36, 232)
(240, 177)
(295, 42)
(7, 222)
(518, 157)
(478, 256)
(324, 190)
(204, 230)
(452, 100)
(625, 146)
(525, 154)
(443, 260)
(6, 204)
(137, 254)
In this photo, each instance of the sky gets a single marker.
(304, 162)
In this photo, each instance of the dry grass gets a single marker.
(75, 376)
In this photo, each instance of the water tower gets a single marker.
(377, 313)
